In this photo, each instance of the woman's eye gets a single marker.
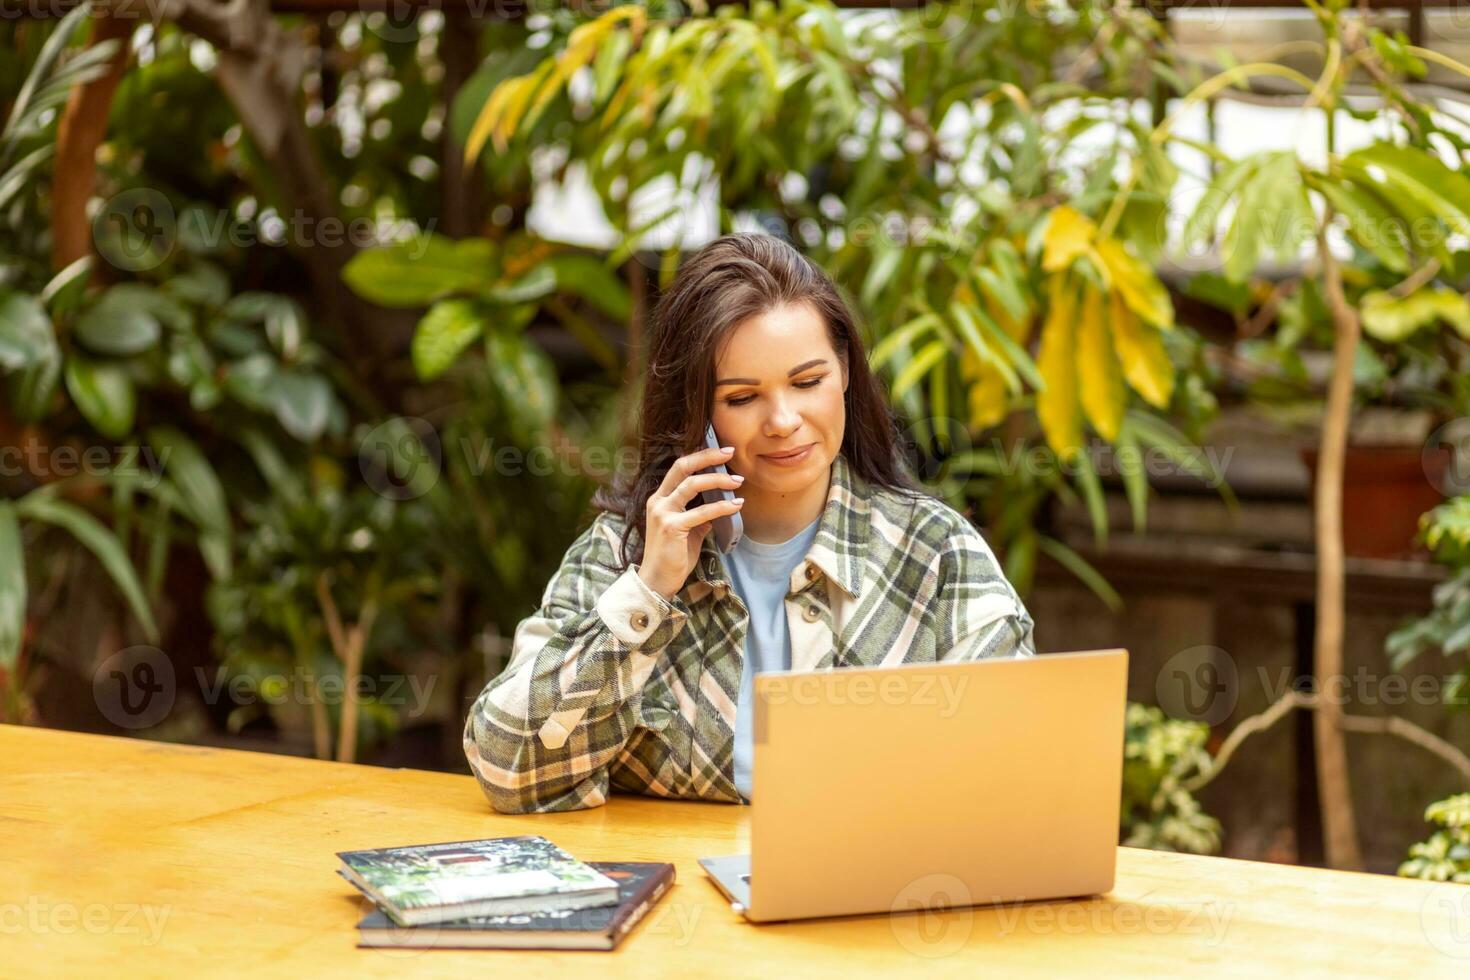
(808, 383)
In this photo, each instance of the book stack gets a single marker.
(499, 893)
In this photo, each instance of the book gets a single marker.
(640, 886)
(429, 883)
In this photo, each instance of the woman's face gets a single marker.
(778, 388)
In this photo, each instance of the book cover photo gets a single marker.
(640, 885)
(497, 876)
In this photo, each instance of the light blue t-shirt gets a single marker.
(761, 576)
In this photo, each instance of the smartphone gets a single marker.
(727, 529)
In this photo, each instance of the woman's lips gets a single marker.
(790, 460)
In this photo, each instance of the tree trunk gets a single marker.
(82, 127)
(1333, 785)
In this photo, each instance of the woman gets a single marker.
(636, 672)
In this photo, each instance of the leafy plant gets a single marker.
(1446, 629)
(1278, 203)
(969, 254)
(30, 359)
(331, 578)
(1445, 856)
(1159, 755)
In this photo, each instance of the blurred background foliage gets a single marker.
(357, 496)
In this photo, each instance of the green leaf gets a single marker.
(104, 394)
(884, 350)
(526, 381)
(12, 587)
(880, 272)
(26, 335)
(302, 403)
(65, 291)
(1419, 175)
(1004, 290)
(284, 319)
(1369, 221)
(913, 372)
(443, 334)
(421, 270)
(1203, 223)
(202, 496)
(119, 324)
(590, 278)
(1392, 320)
(1135, 478)
(203, 284)
(967, 321)
(1264, 217)
(608, 64)
(538, 283)
(101, 542)
(1085, 573)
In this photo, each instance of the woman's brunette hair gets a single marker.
(725, 283)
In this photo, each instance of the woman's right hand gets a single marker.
(674, 534)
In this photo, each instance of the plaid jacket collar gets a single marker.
(838, 548)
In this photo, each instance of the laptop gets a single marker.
(931, 785)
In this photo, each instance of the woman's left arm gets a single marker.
(979, 613)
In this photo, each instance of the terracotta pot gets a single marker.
(1385, 489)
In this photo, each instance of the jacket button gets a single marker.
(812, 613)
(639, 621)
(811, 572)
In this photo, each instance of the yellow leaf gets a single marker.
(1068, 234)
(1099, 376)
(988, 393)
(489, 118)
(1018, 329)
(989, 399)
(1057, 406)
(1140, 348)
(1141, 289)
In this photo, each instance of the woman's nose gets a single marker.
(783, 420)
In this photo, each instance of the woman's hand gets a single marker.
(671, 543)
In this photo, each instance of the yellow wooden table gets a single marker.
(132, 858)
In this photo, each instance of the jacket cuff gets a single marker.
(631, 610)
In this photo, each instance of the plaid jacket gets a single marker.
(609, 685)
